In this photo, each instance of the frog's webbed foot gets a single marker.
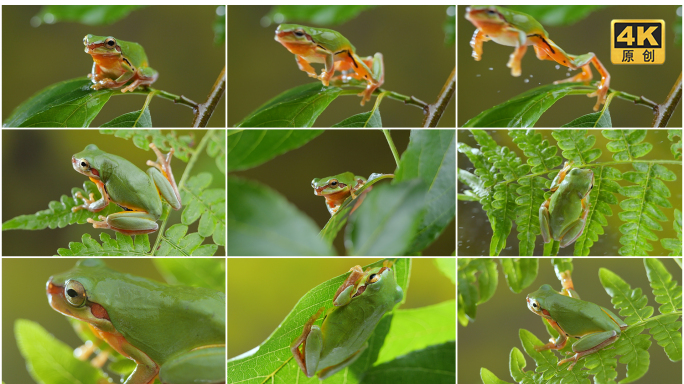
(163, 164)
(514, 60)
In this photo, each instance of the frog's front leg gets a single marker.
(306, 67)
(514, 61)
(201, 365)
(89, 202)
(589, 344)
(311, 341)
(372, 70)
(479, 37)
(557, 344)
(162, 175)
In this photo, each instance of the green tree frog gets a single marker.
(594, 326)
(517, 29)
(116, 62)
(563, 216)
(337, 188)
(140, 194)
(171, 331)
(359, 304)
(318, 45)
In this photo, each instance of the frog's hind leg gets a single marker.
(303, 339)
(325, 373)
(514, 60)
(584, 346)
(164, 179)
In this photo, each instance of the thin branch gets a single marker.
(206, 109)
(663, 112)
(435, 111)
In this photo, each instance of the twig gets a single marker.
(435, 111)
(663, 112)
(206, 109)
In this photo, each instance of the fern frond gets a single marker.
(676, 147)
(627, 143)
(206, 204)
(143, 137)
(123, 245)
(216, 148)
(531, 197)
(675, 245)
(576, 146)
(175, 242)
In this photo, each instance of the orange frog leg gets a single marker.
(546, 49)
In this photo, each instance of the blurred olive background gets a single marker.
(32, 275)
(488, 341)
(361, 152)
(261, 292)
(487, 83)
(31, 182)
(411, 39)
(475, 231)
(178, 41)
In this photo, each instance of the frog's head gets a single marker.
(101, 45)
(381, 282)
(293, 34)
(333, 184)
(71, 293)
(84, 161)
(485, 16)
(536, 300)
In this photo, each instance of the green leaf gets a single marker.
(175, 242)
(370, 119)
(418, 328)
(201, 272)
(547, 362)
(124, 245)
(435, 364)
(48, 360)
(448, 267)
(577, 145)
(219, 26)
(387, 221)
(273, 358)
(59, 213)
(520, 273)
(602, 365)
(71, 103)
(531, 196)
(627, 143)
(207, 205)
(675, 245)
(250, 148)
(216, 148)
(600, 119)
(676, 147)
(298, 107)
(474, 275)
(86, 14)
(665, 290)
(133, 119)
(182, 145)
(262, 222)
(489, 378)
(430, 156)
(317, 14)
(525, 109)
(556, 15)
(633, 346)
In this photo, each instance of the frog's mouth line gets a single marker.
(92, 50)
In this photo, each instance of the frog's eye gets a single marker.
(110, 42)
(374, 278)
(333, 183)
(83, 163)
(299, 33)
(75, 293)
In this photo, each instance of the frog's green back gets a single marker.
(134, 52)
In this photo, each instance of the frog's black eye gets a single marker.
(333, 183)
(75, 293)
(373, 278)
(491, 12)
(110, 42)
(84, 164)
(299, 33)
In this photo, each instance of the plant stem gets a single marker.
(642, 322)
(435, 111)
(206, 109)
(186, 174)
(663, 112)
(393, 148)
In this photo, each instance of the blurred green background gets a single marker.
(488, 341)
(178, 41)
(361, 152)
(486, 83)
(32, 275)
(475, 231)
(261, 292)
(411, 39)
(31, 182)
